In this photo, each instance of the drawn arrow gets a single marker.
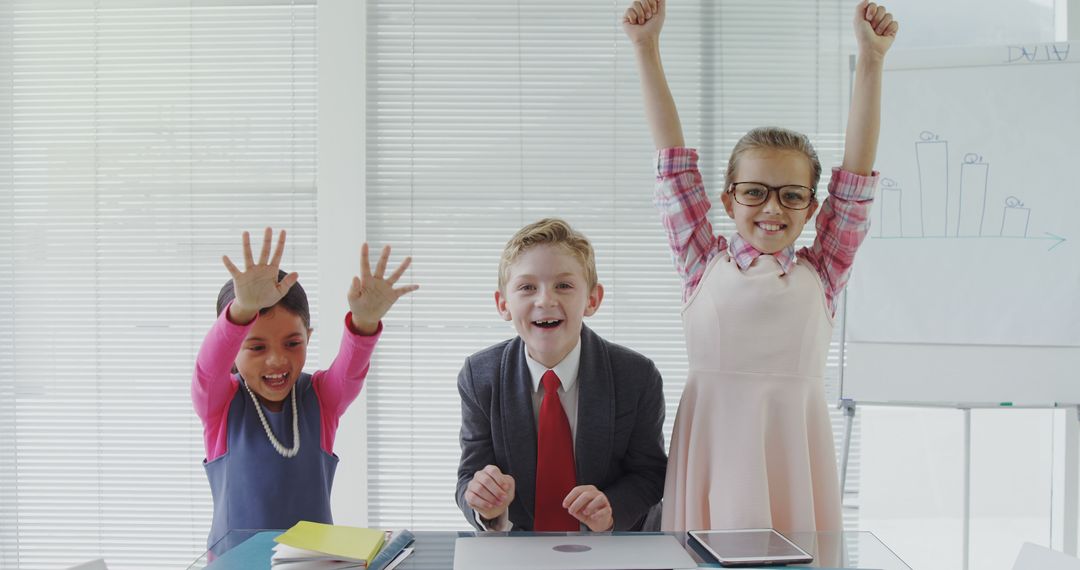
(1058, 240)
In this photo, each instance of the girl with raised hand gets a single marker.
(269, 426)
(752, 445)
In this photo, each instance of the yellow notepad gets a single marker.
(344, 542)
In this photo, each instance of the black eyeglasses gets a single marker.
(792, 196)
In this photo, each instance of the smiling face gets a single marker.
(273, 355)
(770, 227)
(546, 297)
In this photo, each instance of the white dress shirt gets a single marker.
(567, 371)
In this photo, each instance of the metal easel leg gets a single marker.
(1072, 479)
(849, 419)
(967, 487)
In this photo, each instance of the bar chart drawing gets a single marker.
(1014, 223)
(941, 212)
(890, 220)
(974, 180)
(972, 254)
(932, 160)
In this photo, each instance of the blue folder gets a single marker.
(253, 553)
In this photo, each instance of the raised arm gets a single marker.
(213, 385)
(680, 193)
(371, 295)
(843, 220)
(875, 30)
(642, 23)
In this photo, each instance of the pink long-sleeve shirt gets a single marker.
(213, 384)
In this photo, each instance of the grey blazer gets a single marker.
(620, 440)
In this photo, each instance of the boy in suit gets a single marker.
(560, 429)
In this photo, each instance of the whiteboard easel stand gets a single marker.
(1072, 481)
(967, 488)
(849, 419)
(1071, 496)
(1052, 53)
(1071, 520)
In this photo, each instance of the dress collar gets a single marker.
(745, 254)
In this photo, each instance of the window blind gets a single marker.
(486, 115)
(137, 140)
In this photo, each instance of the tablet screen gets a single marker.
(761, 544)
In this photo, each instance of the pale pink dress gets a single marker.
(752, 445)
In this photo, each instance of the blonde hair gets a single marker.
(549, 231)
(774, 138)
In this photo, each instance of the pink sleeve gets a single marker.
(213, 384)
(684, 211)
(337, 386)
(842, 225)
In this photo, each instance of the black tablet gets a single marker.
(750, 547)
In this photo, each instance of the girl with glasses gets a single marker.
(752, 445)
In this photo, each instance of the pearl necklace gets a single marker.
(286, 453)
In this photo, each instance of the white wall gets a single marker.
(936, 23)
(341, 224)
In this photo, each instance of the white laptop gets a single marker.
(578, 552)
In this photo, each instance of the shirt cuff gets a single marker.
(670, 161)
(224, 316)
(850, 186)
(500, 523)
(349, 326)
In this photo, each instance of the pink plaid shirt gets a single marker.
(842, 223)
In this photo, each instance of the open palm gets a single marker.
(372, 294)
(257, 286)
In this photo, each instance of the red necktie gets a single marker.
(554, 462)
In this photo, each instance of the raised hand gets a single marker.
(875, 29)
(643, 20)
(257, 286)
(372, 294)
